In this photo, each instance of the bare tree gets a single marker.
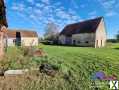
(51, 32)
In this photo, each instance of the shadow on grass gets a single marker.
(116, 48)
(68, 45)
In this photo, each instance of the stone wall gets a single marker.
(28, 41)
(3, 38)
(84, 39)
(96, 39)
(100, 40)
(11, 41)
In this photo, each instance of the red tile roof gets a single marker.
(88, 26)
(24, 33)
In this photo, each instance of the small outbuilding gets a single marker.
(89, 33)
(22, 37)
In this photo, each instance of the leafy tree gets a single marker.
(118, 37)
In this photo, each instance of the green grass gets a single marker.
(76, 64)
(82, 62)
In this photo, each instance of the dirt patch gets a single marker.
(39, 53)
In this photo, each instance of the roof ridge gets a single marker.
(87, 26)
(101, 17)
(21, 30)
(12, 33)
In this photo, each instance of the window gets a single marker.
(74, 42)
(14, 40)
(79, 42)
(86, 42)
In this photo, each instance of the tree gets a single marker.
(51, 32)
(117, 36)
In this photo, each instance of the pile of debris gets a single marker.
(39, 53)
(48, 69)
(12, 72)
(30, 51)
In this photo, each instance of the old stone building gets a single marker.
(89, 33)
(22, 37)
(3, 27)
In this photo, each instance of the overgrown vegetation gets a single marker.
(76, 66)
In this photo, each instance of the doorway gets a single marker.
(74, 42)
(18, 38)
(101, 43)
(68, 40)
(96, 43)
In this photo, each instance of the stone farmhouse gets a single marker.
(22, 37)
(89, 33)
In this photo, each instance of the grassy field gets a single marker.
(76, 66)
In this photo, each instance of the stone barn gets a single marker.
(89, 33)
(3, 28)
(22, 37)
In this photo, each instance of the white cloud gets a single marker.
(111, 13)
(92, 13)
(14, 7)
(46, 1)
(82, 6)
(108, 4)
(31, 1)
(38, 5)
(110, 7)
(45, 12)
(38, 11)
(18, 7)
(74, 4)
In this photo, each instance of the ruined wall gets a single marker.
(3, 20)
(3, 40)
(3, 29)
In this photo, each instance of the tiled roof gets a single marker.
(88, 26)
(24, 33)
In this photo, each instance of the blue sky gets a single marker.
(35, 14)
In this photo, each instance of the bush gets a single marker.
(112, 40)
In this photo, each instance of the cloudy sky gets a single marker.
(35, 14)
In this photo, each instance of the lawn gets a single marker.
(76, 66)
